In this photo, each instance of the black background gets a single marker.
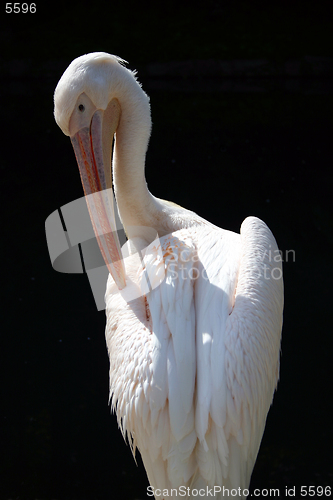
(223, 154)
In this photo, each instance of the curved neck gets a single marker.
(135, 203)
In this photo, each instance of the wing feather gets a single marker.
(238, 327)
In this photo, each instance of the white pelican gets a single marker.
(194, 362)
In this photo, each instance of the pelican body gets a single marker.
(194, 312)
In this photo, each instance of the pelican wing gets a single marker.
(173, 366)
(151, 343)
(238, 329)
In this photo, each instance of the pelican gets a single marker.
(194, 312)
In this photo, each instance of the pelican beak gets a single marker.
(96, 180)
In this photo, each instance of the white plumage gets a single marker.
(194, 358)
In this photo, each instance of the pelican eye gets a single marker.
(81, 108)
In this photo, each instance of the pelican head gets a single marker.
(96, 98)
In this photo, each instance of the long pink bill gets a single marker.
(87, 144)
